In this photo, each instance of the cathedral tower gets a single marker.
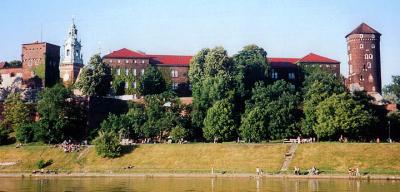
(71, 61)
(363, 48)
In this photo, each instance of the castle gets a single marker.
(41, 63)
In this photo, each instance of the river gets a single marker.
(110, 184)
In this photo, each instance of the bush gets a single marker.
(25, 133)
(178, 133)
(4, 131)
(107, 144)
(40, 164)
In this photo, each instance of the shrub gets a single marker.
(178, 133)
(40, 164)
(107, 144)
(25, 133)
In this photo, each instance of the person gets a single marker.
(357, 172)
(258, 171)
(296, 170)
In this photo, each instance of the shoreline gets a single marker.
(202, 175)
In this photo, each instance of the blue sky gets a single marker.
(283, 28)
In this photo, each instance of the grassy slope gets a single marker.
(338, 157)
(154, 158)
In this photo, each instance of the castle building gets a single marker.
(363, 48)
(127, 67)
(40, 63)
(72, 61)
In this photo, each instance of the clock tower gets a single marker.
(71, 61)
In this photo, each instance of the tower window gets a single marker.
(373, 46)
(368, 56)
(67, 52)
(369, 65)
(373, 36)
(361, 36)
(364, 68)
(361, 46)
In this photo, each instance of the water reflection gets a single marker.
(194, 184)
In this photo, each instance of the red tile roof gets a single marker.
(171, 59)
(282, 62)
(364, 29)
(126, 53)
(314, 58)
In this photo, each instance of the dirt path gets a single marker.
(289, 156)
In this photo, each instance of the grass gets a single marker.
(171, 158)
(370, 158)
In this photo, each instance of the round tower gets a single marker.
(363, 48)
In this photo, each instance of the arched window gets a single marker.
(361, 46)
(373, 46)
(67, 52)
(369, 65)
(368, 56)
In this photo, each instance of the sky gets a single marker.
(284, 28)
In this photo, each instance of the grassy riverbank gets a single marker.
(200, 158)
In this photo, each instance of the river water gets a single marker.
(111, 184)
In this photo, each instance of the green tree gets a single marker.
(250, 67)
(4, 134)
(95, 78)
(219, 123)
(136, 117)
(151, 82)
(118, 124)
(55, 114)
(318, 86)
(178, 133)
(25, 133)
(107, 144)
(14, 63)
(16, 113)
(392, 91)
(340, 115)
(254, 125)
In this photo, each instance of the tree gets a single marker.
(250, 67)
(4, 134)
(25, 133)
(16, 112)
(277, 111)
(254, 125)
(219, 123)
(178, 133)
(136, 117)
(14, 63)
(340, 115)
(151, 82)
(95, 78)
(107, 144)
(118, 124)
(55, 114)
(392, 91)
(318, 86)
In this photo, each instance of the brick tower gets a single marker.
(71, 62)
(363, 49)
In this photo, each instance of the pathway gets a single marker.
(289, 156)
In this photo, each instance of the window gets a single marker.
(134, 61)
(119, 61)
(373, 46)
(369, 65)
(364, 68)
(174, 73)
(274, 74)
(142, 72)
(361, 46)
(174, 86)
(373, 36)
(142, 60)
(327, 66)
(291, 76)
(126, 71)
(361, 78)
(110, 60)
(134, 84)
(126, 61)
(361, 36)
(126, 85)
(134, 72)
(190, 86)
(118, 71)
(67, 52)
(350, 57)
(368, 56)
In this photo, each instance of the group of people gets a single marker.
(300, 140)
(312, 171)
(69, 147)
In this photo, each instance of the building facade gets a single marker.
(40, 63)
(127, 67)
(363, 48)
(10, 75)
(71, 62)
